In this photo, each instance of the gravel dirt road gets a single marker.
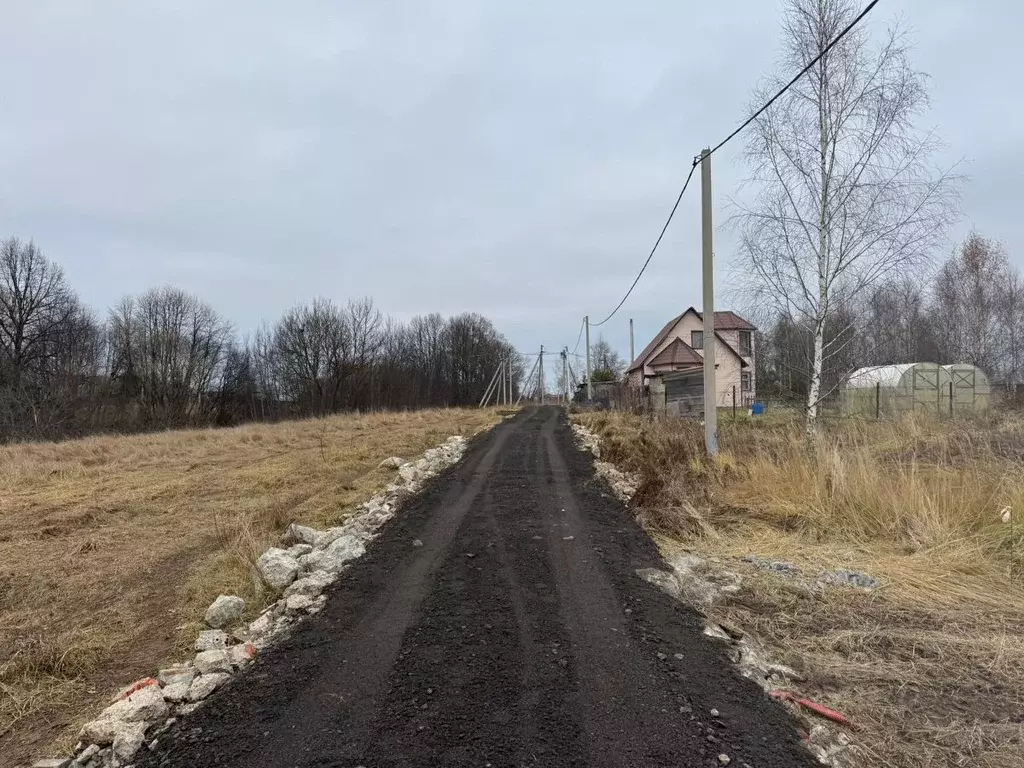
(518, 634)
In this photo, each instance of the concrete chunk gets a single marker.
(177, 674)
(277, 568)
(346, 547)
(409, 473)
(100, 731)
(176, 692)
(145, 705)
(240, 655)
(211, 638)
(127, 740)
(311, 585)
(261, 627)
(203, 686)
(216, 660)
(224, 610)
(301, 534)
(298, 603)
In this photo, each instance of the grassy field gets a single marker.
(931, 665)
(112, 547)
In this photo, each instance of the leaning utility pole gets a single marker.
(540, 375)
(526, 382)
(492, 387)
(632, 354)
(590, 383)
(708, 271)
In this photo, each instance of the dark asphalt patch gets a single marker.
(517, 635)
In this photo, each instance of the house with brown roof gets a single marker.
(679, 346)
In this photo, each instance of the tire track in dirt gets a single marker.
(499, 642)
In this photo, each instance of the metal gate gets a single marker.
(926, 387)
(963, 387)
(684, 393)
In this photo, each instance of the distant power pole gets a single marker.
(540, 375)
(590, 383)
(565, 373)
(708, 264)
(632, 354)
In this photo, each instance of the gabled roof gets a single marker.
(662, 335)
(725, 320)
(678, 353)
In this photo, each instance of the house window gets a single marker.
(697, 339)
(746, 344)
(745, 381)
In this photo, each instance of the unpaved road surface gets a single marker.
(518, 634)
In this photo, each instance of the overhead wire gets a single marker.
(845, 31)
(791, 83)
(657, 242)
(580, 336)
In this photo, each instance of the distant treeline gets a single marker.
(168, 359)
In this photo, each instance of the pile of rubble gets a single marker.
(842, 577)
(623, 484)
(587, 439)
(300, 570)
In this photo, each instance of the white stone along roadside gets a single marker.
(701, 583)
(623, 484)
(299, 572)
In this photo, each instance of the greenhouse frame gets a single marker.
(887, 389)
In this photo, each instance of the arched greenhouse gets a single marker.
(886, 389)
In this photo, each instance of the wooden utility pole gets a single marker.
(708, 274)
(590, 383)
(540, 375)
(632, 353)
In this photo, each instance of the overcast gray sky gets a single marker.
(512, 158)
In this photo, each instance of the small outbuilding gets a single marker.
(882, 389)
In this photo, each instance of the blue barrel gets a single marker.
(757, 409)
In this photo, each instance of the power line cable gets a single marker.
(580, 336)
(730, 137)
(792, 82)
(655, 248)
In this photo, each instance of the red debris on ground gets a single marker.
(813, 706)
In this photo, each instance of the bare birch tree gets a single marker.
(978, 309)
(848, 194)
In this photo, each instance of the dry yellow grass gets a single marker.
(932, 664)
(111, 547)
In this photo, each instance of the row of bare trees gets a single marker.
(167, 359)
(970, 311)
